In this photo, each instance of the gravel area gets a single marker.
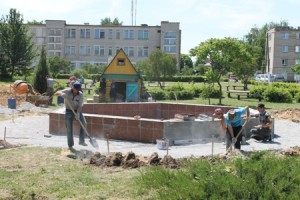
(32, 128)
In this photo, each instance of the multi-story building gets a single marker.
(96, 44)
(282, 50)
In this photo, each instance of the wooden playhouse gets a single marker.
(120, 82)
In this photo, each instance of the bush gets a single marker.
(210, 92)
(158, 94)
(273, 94)
(297, 97)
(257, 91)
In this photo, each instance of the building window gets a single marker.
(269, 36)
(85, 33)
(170, 41)
(285, 49)
(54, 46)
(128, 34)
(99, 50)
(110, 33)
(142, 51)
(56, 32)
(129, 51)
(170, 49)
(297, 61)
(170, 34)
(54, 39)
(297, 36)
(297, 49)
(71, 33)
(110, 51)
(285, 36)
(118, 34)
(284, 62)
(70, 50)
(99, 33)
(85, 50)
(143, 34)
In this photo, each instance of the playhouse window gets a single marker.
(121, 61)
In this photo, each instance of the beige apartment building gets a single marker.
(283, 51)
(95, 44)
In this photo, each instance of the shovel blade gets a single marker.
(94, 143)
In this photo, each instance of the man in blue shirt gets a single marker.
(234, 124)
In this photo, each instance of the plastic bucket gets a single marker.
(162, 144)
(11, 103)
(60, 100)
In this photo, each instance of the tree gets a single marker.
(296, 69)
(107, 22)
(158, 66)
(185, 61)
(257, 39)
(57, 64)
(39, 81)
(16, 44)
(223, 54)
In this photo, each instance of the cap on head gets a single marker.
(261, 105)
(77, 86)
(231, 114)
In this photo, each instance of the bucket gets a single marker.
(162, 144)
(11, 103)
(60, 100)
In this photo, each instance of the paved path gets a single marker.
(34, 130)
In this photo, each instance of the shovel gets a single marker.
(92, 140)
(232, 144)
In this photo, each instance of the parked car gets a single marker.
(265, 77)
(258, 77)
(279, 78)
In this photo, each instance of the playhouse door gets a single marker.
(131, 91)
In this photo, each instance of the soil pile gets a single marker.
(130, 160)
(288, 114)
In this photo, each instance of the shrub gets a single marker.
(257, 91)
(297, 97)
(210, 92)
(157, 93)
(273, 94)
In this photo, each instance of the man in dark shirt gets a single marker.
(263, 130)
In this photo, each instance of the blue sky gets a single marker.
(199, 19)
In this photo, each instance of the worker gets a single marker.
(262, 132)
(74, 98)
(234, 124)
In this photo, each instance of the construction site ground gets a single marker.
(29, 125)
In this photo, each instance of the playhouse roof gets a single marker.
(120, 67)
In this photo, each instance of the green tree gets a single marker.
(41, 71)
(296, 69)
(158, 66)
(57, 64)
(223, 54)
(185, 61)
(16, 44)
(108, 22)
(257, 39)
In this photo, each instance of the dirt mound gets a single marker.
(287, 114)
(130, 160)
(6, 145)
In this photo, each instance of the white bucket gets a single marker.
(162, 144)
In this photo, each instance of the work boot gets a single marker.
(72, 149)
(82, 143)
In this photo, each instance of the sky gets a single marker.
(199, 19)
